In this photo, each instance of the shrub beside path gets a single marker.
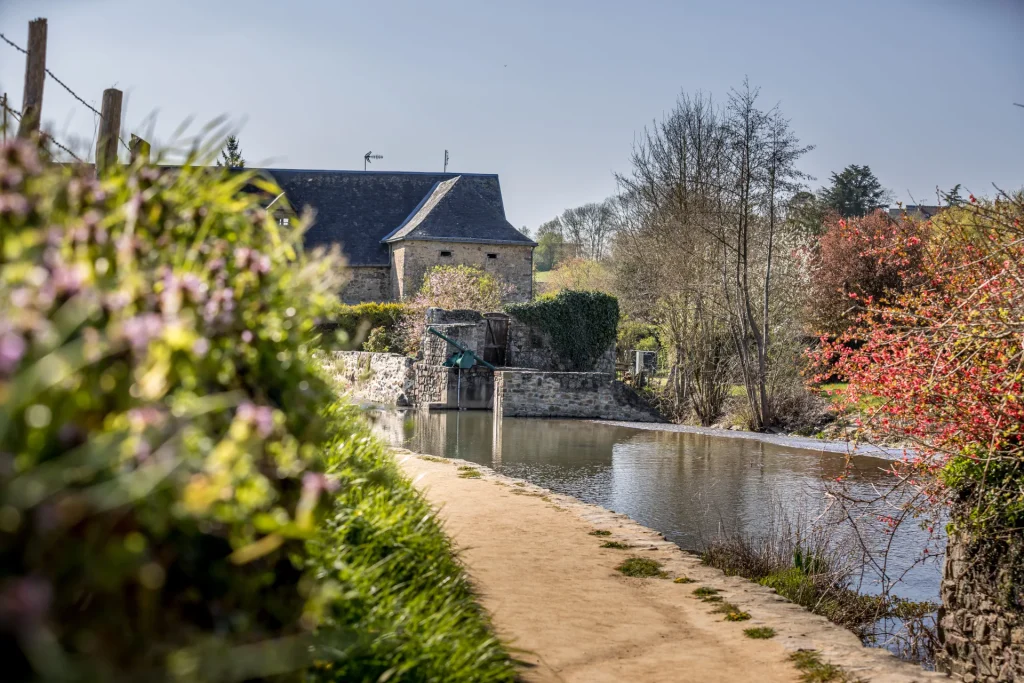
(556, 598)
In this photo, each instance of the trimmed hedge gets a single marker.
(181, 495)
(582, 325)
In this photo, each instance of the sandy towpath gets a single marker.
(554, 594)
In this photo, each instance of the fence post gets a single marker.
(139, 149)
(110, 128)
(35, 77)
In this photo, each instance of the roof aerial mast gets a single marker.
(368, 156)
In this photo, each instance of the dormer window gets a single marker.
(446, 253)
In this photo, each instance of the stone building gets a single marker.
(393, 227)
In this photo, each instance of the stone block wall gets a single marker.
(981, 621)
(387, 378)
(595, 395)
(411, 259)
(431, 384)
(529, 347)
(368, 283)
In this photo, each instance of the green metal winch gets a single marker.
(464, 358)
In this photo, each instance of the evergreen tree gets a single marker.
(231, 155)
(854, 192)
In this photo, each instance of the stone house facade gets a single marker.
(393, 227)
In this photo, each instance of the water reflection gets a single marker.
(687, 486)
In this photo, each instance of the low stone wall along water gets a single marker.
(595, 395)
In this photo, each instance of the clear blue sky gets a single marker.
(548, 94)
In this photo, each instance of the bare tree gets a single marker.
(704, 209)
(589, 228)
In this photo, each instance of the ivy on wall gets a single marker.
(582, 325)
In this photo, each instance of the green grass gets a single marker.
(642, 568)
(830, 389)
(814, 670)
(600, 532)
(705, 592)
(433, 458)
(615, 544)
(467, 472)
(542, 276)
(399, 587)
(683, 579)
(759, 632)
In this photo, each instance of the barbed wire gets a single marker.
(63, 85)
(17, 117)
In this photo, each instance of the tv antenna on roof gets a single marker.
(446, 161)
(368, 156)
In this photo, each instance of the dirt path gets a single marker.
(554, 593)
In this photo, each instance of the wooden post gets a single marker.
(139, 149)
(35, 77)
(110, 128)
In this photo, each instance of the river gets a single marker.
(687, 486)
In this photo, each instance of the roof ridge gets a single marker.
(448, 175)
(429, 202)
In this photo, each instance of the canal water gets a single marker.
(689, 487)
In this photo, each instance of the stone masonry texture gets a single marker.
(512, 263)
(595, 395)
(367, 283)
(981, 621)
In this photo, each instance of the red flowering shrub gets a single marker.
(946, 359)
(859, 260)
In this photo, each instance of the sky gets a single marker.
(549, 94)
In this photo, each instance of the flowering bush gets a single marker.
(451, 288)
(178, 485)
(861, 260)
(944, 360)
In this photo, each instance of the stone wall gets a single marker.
(431, 384)
(595, 395)
(387, 378)
(530, 347)
(981, 621)
(467, 327)
(411, 259)
(368, 283)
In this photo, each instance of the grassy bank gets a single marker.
(809, 570)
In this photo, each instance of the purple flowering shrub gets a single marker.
(170, 451)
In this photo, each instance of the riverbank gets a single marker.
(553, 592)
(790, 441)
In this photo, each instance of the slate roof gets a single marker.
(360, 209)
(457, 210)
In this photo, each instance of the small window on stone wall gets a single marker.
(492, 256)
(446, 253)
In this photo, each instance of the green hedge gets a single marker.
(582, 325)
(181, 495)
(357, 321)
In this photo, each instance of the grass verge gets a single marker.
(395, 576)
(467, 472)
(815, 576)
